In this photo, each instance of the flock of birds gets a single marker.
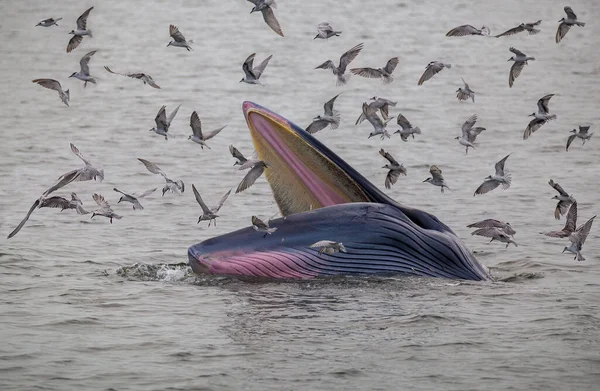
(376, 112)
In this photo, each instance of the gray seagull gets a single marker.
(570, 225)
(252, 74)
(209, 214)
(48, 22)
(582, 134)
(198, 136)
(87, 172)
(384, 73)
(540, 118)
(436, 178)
(331, 118)
(147, 79)
(467, 29)
(464, 93)
(325, 31)
(520, 60)
(241, 160)
(395, 169)
(492, 223)
(52, 84)
(564, 200)
(80, 32)
(496, 234)
(406, 128)
(134, 198)
(345, 59)
(255, 172)
(529, 27)
(578, 238)
(380, 104)
(266, 8)
(469, 133)
(105, 210)
(163, 124)
(566, 23)
(84, 73)
(178, 39)
(262, 226)
(493, 181)
(433, 68)
(378, 124)
(328, 247)
(173, 186)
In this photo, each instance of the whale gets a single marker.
(321, 197)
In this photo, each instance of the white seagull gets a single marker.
(266, 8)
(469, 133)
(578, 238)
(395, 169)
(209, 214)
(564, 200)
(331, 118)
(198, 136)
(340, 70)
(520, 60)
(48, 22)
(173, 186)
(147, 79)
(540, 118)
(178, 39)
(163, 124)
(80, 32)
(493, 181)
(384, 73)
(582, 134)
(406, 128)
(84, 73)
(328, 247)
(252, 74)
(433, 68)
(134, 198)
(52, 84)
(566, 23)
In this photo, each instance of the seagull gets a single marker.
(84, 74)
(48, 22)
(384, 73)
(432, 69)
(565, 24)
(253, 74)
(395, 169)
(266, 7)
(331, 117)
(469, 133)
(174, 186)
(379, 125)
(436, 178)
(496, 234)
(492, 223)
(582, 134)
(578, 238)
(255, 172)
(570, 225)
(529, 27)
(464, 93)
(50, 202)
(493, 181)
(407, 128)
(564, 200)
(147, 79)
(340, 70)
(209, 214)
(54, 85)
(467, 29)
(178, 39)
(241, 159)
(325, 31)
(328, 247)
(105, 210)
(261, 226)
(80, 32)
(197, 136)
(134, 198)
(520, 60)
(162, 122)
(540, 118)
(86, 173)
(380, 104)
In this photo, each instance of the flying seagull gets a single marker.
(436, 178)
(582, 134)
(174, 186)
(54, 85)
(578, 238)
(493, 181)
(253, 74)
(147, 79)
(209, 214)
(345, 59)
(496, 234)
(255, 172)
(406, 128)
(328, 247)
(469, 133)
(48, 22)
(520, 60)
(241, 159)
(331, 118)
(199, 137)
(540, 118)
(378, 124)
(134, 198)
(492, 223)
(395, 169)
(467, 29)
(380, 104)
(570, 225)
(266, 8)
(325, 31)
(105, 210)
(564, 200)
(80, 32)
(384, 73)
(163, 124)
(262, 226)
(566, 23)
(432, 69)
(85, 173)
(529, 27)
(464, 93)
(178, 39)
(84, 73)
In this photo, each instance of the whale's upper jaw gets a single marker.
(303, 173)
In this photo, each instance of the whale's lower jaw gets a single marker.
(379, 240)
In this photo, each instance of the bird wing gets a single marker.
(176, 34)
(82, 20)
(465, 83)
(327, 65)
(56, 202)
(217, 207)
(391, 65)
(403, 122)
(49, 83)
(391, 178)
(146, 193)
(388, 156)
(512, 31)
(84, 62)
(151, 82)
(465, 29)
(271, 20)
(536, 23)
(558, 188)
(328, 107)
(79, 155)
(486, 187)
(22, 223)
(74, 42)
(247, 66)
(488, 232)
(517, 52)
(237, 154)
(347, 57)
(153, 168)
(213, 133)
(259, 223)
(584, 230)
(571, 224)
(468, 125)
(200, 201)
(251, 177)
(436, 173)
(488, 223)
(583, 129)
(543, 103)
(260, 68)
(125, 194)
(532, 127)
(370, 73)
(316, 125)
(515, 71)
(430, 71)
(102, 203)
(322, 243)
(569, 141)
(63, 181)
(172, 115)
(500, 166)
(255, 2)
(461, 95)
(570, 13)
(562, 30)
(161, 118)
(371, 116)
(117, 73)
(196, 125)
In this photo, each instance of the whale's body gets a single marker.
(380, 235)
